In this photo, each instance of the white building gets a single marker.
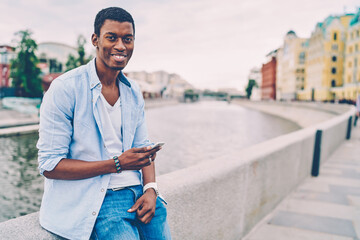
(160, 84)
(53, 56)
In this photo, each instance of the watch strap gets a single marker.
(152, 185)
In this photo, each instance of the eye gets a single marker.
(110, 38)
(128, 39)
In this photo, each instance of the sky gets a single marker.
(211, 44)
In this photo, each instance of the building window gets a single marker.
(349, 64)
(333, 70)
(357, 33)
(356, 48)
(335, 36)
(334, 58)
(350, 49)
(333, 83)
(302, 57)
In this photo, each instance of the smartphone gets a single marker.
(158, 144)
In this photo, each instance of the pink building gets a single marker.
(6, 54)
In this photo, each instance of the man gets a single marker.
(93, 143)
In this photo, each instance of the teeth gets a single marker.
(119, 57)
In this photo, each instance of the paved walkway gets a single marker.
(11, 118)
(322, 208)
(16, 123)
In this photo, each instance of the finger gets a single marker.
(141, 150)
(141, 212)
(144, 214)
(136, 206)
(153, 151)
(147, 217)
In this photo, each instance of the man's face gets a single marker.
(114, 46)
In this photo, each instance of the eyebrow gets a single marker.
(114, 34)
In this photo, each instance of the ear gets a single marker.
(94, 40)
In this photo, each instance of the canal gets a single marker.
(192, 133)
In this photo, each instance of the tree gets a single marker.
(74, 62)
(251, 84)
(24, 70)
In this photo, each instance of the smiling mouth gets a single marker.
(119, 57)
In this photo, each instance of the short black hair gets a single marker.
(112, 13)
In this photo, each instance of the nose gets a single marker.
(119, 45)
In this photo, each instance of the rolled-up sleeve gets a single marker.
(56, 128)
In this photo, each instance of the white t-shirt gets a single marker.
(111, 124)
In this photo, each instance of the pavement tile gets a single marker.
(328, 225)
(354, 200)
(317, 208)
(345, 190)
(339, 181)
(316, 187)
(331, 171)
(341, 166)
(322, 196)
(345, 173)
(274, 232)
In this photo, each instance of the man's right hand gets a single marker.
(137, 158)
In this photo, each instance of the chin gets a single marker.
(118, 68)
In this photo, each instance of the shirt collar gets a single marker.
(94, 79)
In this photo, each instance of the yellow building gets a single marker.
(290, 70)
(351, 85)
(325, 57)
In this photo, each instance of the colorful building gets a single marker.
(290, 72)
(351, 86)
(268, 73)
(325, 58)
(6, 54)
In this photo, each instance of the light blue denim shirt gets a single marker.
(70, 127)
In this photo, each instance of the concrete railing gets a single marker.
(224, 198)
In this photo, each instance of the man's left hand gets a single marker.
(145, 206)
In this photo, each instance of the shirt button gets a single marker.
(93, 213)
(92, 85)
(102, 190)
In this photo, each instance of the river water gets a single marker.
(192, 133)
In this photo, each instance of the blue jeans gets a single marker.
(114, 222)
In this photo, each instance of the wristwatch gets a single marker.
(152, 185)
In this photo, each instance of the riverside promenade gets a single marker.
(236, 199)
(326, 207)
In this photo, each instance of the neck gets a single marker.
(107, 77)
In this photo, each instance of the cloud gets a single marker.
(210, 43)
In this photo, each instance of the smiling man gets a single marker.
(93, 146)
